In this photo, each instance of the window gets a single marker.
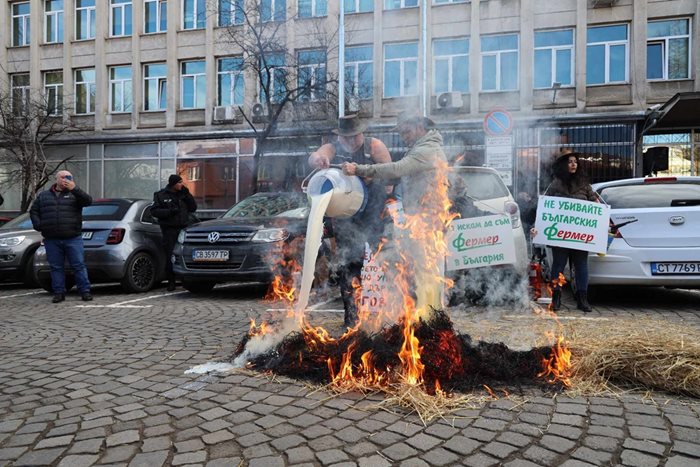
(231, 12)
(194, 14)
(85, 91)
(395, 4)
(275, 64)
(85, 19)
(193, 173)
(606, 54)
(273, 10)
(359, 6)
(313, 8)
(311, 77)
(554, 58)
(359, 70)
(53, 91)
(120, 18)
(155, 16)
(668, 49)
(193, 84)
(230, 85)
(444, 2)
(451, 65)
(401, 69)
(53, 21)
(20, 24)
(120, 95)
(155, 86)
(20, 92)
(499, 62)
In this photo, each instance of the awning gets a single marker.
(678, 113)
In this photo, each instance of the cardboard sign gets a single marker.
(480, 241)
(572, 223)
(373, 284)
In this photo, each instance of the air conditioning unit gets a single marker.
(450, 100)
(259, 112)
(603, 3)
(225, 113)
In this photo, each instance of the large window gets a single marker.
(155, 86)
(120, 94)
(231, 12)
(193, 85)
(53, 21)
(230, 85)
(554, 58)
(85, 91)
(499, 62)
(120, 18)
(155, 16)
(607, 54)
(84, 19)
(275, 66)
(401, 69)
(20, 24)
(444, 2)
(359, 71)
(53, 91)
(668, 49)
(20, 92)
(395, 4)
(359, 6)
(311, 77)
(451, 65)
(313, 8)
(273, 10)
(194, 14)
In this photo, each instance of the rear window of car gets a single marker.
(651, 195)
(112, 210)
(480, 185)
(18, 223)
(290, 205)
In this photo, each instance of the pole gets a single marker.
(341, 60)
(424, 39)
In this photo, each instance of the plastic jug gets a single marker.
(349, 191)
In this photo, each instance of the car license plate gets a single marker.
(87, 235)
(675, 268)
(210, 255)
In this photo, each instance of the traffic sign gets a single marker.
(498, 122)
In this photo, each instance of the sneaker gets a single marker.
(57, 298)
(87, 297)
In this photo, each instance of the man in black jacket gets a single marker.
(58, 214)
(172, 207)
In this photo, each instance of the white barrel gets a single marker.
(349, 192)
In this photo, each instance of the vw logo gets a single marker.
(213, 237)
(676, 220)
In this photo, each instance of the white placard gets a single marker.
(572, 223)
(373, 298)
(499, 155)
(480, 241)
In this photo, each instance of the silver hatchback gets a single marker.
(18, 243)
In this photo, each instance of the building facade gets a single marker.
(161, 87)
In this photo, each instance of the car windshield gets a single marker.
(652, 195)
(20, 222)
(291, 205)
(106, 210)
(480, 185)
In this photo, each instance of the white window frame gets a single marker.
(313, 67)
(447, 2)
(196, 4)
(403, 5)
(113, 11)
(193, 173)
(607, 45)
(161, 81)
(355, 64)
(55, 18)
(58, 92)
(356, 9)
(314, 8)
(232, 90)
(497, 54)
(90, 20)
(450, 58)
(665, 40)
(195, 77)
(23, 90)
(88, 99)
(232, 8)
(402, 67)
(554, 49)
(273, 8)
(159, 19)
(25, 26)
(123, 103)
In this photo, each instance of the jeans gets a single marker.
(579, 260)
(57, 250)
(169, 240)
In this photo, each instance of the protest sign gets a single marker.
(480, 241)
(572, 223)
(373, 297)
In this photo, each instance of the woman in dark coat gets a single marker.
(570, 182)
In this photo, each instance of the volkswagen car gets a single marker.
(18, 243)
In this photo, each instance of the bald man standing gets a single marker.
(58, 214)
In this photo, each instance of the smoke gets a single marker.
(261, 343)
(491, 287)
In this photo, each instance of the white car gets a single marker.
(657, 235)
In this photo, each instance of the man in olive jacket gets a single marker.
(172, 207)
(58, 214)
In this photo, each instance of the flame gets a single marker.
(255, 330)
(557, 368)
(490, 391)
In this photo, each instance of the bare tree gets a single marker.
(28, 122)
(296, 80)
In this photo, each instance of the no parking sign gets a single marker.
(498, 125)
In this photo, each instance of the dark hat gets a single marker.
(174, 179)
(411, 117)
(564, 153)
(349, 125)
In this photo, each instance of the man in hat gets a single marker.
(366, 226)
(172, 207)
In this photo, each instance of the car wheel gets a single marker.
(46, 284)
(29, 277)
(198, 287)
(140, 274)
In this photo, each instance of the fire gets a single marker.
(557, 368)
(258, 330)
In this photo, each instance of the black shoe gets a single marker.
(87, 297)
(59, 297)
(171, 286)
(582, 302)
(556, 299)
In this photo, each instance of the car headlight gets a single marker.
(270, 235)
(181, 237)
(12, 241)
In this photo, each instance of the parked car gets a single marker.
(18, 243)
(123, 243)
(656, 234)
(4, 220)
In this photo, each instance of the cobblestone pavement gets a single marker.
(104, 384)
